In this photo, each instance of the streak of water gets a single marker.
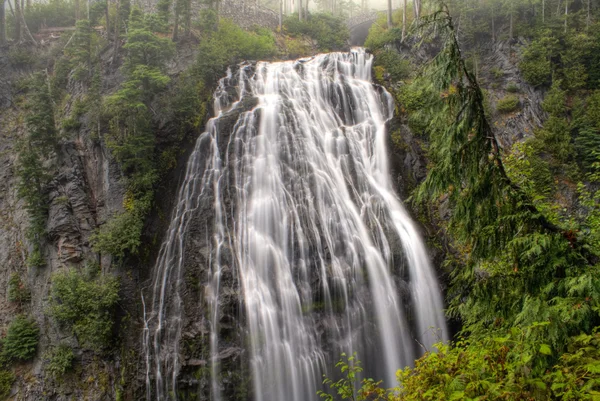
(303, 201)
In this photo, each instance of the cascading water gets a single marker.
(303, 213)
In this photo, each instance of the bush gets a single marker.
(296, 47)
(497, 73)
(512, 88)
(53, 13)
(59, 360)
(328, 31)
(86, 306)
(394, 64)
(6, 380)
(535, 66)
(229, 45)
(17, 291)
(21, 339)
(508, 104)
(121, 234)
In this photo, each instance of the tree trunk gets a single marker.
(2, 23)
(566, 13)
(17, 21)
(300, 10)
(280, 15)
(24, 25)
(77, 10)
(493, 27)
(510, 35)
(117, 22)
(188, 18)
(588, 19)
(107, 25)
(176, 20)
(417, 5)
(389, 14)
(403, 20)
(543, 11)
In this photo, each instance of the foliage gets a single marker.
(296, 47)
(40, 142)
(576, 376)
(86, 306)
(131, 137)
(328, 31)
(59, 360)
(228, 45)
(393, 63)
(508, 245)
(347, 388)
(7, 378)
(512, 88)
(54, 13)
(555, 136)
(508, 104)
(119, 235)
(21, 341)
(17, 290)
(586, 119)
(536, 65)
(501, 366)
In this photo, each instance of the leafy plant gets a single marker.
(508, 104)
(21, 339)
(7, 379)
(86, 306)
(330, 33)
(17, 290)
(347, 388)
(59, 360)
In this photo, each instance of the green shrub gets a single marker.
(512, 88)
(535, 65)
(7, 378)
(508, 104)
(496, 72)
(59, 360)
(17, 290)
(229, 45)
(86, 306)
(35, 258)
(121, 234)
(296, 47)
(330, 33)
(394, 64)
(20, 57)
(21, 339)
(53, 13)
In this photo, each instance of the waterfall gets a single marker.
(289, 196)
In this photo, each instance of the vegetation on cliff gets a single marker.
(524, 263)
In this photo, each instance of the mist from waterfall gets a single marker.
(305, 216)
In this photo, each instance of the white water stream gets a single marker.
(327, 258)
